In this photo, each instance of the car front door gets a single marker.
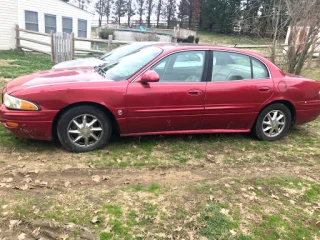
(175, 103)
(238, 86)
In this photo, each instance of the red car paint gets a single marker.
(159, 107)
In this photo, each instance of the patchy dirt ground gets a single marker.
(53, 194)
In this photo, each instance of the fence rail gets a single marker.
(31, 37)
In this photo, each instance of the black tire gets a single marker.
(66, 124)
(259, 124)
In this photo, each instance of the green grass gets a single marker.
(22, 63)
(218, 226)
(232, 39)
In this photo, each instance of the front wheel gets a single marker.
(84, 128)
(273, 122)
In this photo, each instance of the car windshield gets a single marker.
(121, 52)
(128, 66)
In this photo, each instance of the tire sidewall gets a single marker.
(258, 125)
(66, 118)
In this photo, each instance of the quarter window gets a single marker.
(67, 24)
(50, 23)
(82, 28)
(259, 69)
(181, 67)
(31, 20)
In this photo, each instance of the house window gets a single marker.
(67, 24)
(82, 28)
(50, 23)
(31, 20)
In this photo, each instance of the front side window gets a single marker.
(82, 28)
(31, 20)
(50, 22)
(181, 67)
(67, 24)
(126, 67)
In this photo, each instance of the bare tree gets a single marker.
(130, 9)
(169, 9)
(159, 11)
(107, 9)
(149, 8)
(183, 10)
(140, 9)
(99, 7)
(83, 4)
(119, 10)
(304, 18)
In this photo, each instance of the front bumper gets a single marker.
(30, 124)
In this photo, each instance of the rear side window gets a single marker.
(229, 66)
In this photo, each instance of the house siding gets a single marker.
(57, 8)
(9, 17)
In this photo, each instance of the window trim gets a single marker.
(70, 18)
(245, 54)
(45, 25)
(206, 58)
(84, 20)
(25, 20)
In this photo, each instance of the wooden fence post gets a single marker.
(17, 37)
(110, 42)
(52, 45)
(72, 45)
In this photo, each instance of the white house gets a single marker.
(42, 16)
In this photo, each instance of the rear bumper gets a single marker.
(307, 112)
(35, 124)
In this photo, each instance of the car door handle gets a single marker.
(195, 92)
(264, 89)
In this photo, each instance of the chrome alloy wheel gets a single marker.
(85, 130)
(274, 123)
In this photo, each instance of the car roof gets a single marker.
(168, 47)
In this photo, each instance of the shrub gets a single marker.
(191, 39)
(197, 40)
(104, 33)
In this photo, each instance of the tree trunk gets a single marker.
(100, 21)
(275, 35)
(190, 14)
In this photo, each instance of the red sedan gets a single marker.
(162, 89)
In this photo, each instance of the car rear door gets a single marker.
(239, 85)
(176, 102)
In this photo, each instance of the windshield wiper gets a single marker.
(100, 70)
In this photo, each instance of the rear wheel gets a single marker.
(84, 128)
(273, 122)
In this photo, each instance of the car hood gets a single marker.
(83, 62)
(55, 77)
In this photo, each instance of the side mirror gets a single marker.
(149, 76)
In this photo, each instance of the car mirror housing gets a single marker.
(149, 76)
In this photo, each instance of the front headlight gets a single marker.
(18, 104)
